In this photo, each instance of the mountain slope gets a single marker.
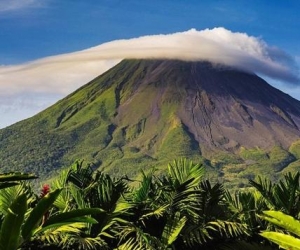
(144, 113)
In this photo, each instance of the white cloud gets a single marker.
(11, 5)
(56, 75)
(59, 75)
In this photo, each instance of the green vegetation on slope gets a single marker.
(236, 170)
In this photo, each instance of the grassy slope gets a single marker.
(236, 170)
(89, 124)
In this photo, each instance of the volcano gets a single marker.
(144, 113)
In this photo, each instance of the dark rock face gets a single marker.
(222, 107)
(231, 108)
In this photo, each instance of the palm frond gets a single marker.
(159, 212)
(65, 201)
(288, 223)
(290, 185)
(16, 176)
(228, 229)
(55, 234)
(200, 234)
(283, 220)
(72, 235)
(131, 244)
(80, 175)
(244, 206)
(104, 192)
(8, 195)
(37, 213)
(85, 243)
(10, 228)
(195, 235)
(134, 238)
(183, 170)
(211, 201)
(186, 198)
(173, 229)
(275, 194)
(141, 194)
(284, 241)
(265, 187)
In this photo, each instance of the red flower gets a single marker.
(45, 190)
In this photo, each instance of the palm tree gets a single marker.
(178, 211)
(246, 206)
(86, 188)
(282, 196)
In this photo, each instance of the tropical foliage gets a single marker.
(290, 224)
(84, 208)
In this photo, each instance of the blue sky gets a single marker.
(48, 27)
(34, 29)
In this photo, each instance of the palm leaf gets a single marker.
(275, 194)
(199, 234)
(228, 229)
(83, 242)
(283, 240)
(57, 234)
(142, 193)
(132, 244)
(71, 216)
(38, 212)
(8, 184)
(211, 201)
(244, 206)
(10, 229)
(79, 175)
(13, 176)
(265, 187)
(282, 220)
(64, 219)
(195, 235)
(72, 236)
(136, 239)
(159, 212)
(82, 219)
(182, 170)
(8, 195)
(288, 203)
(173, 228)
